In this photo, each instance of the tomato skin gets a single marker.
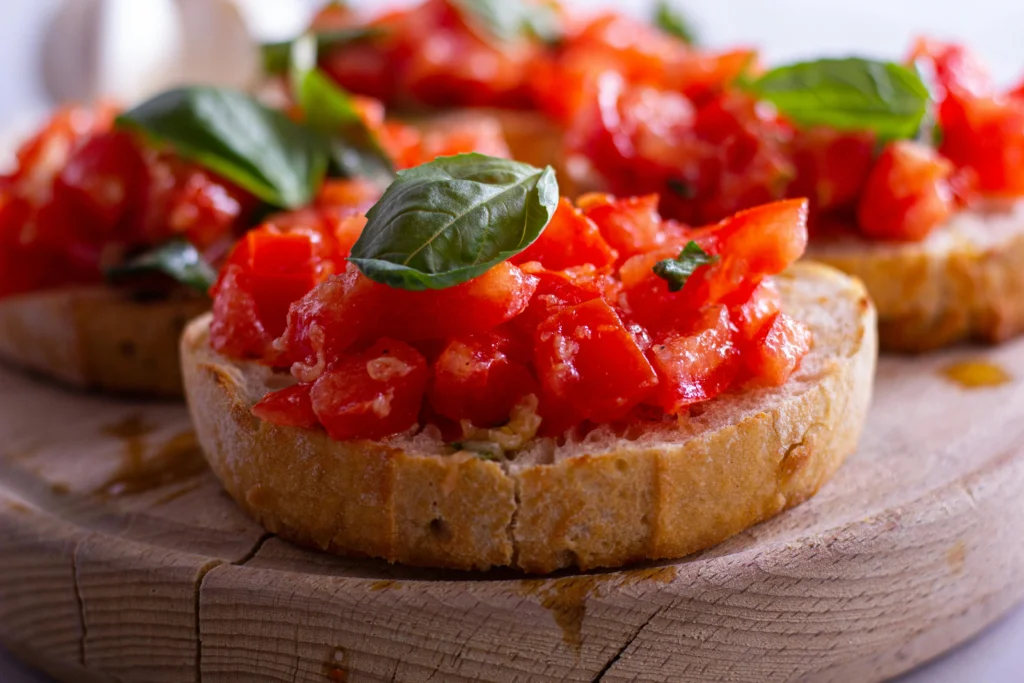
(373, 394)
(586, 357)
(831, 167)
(290, 407)
(351, 308)
(778, 351)
(236, 329)
(480, 378)
(560, 288)
(570, 239)
(696, 364)
(631, 226)
(907, 194)
(752, 317)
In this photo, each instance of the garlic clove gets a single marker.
(120, 49)
(218, 47)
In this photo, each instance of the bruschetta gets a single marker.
(499, 377)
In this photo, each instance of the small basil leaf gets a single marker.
(847, 94)
(672, 21)
(331, 111)
(507, 20)
(453, 219)
(678, 270)
(177, 259)
(233, 135)
(277, 56)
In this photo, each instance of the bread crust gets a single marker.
(98, 338)
(666, 490)
(965, 282)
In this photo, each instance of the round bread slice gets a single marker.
(964, 282)
(99, 338)
(649, 491)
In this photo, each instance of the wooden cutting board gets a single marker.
(122, 560)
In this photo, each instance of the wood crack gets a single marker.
(81, 605)
(622, 650)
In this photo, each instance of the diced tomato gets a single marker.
(752, 317)
(104, 184)
(290, 407)
(632, 225)
(353, 308)
(480, 378)
(570, 239)
(956, 69)
(778, 351)
(696, 364)
(751, 244)
(907, 193)
(587, 358)
(986, 135)
(560, 288)
(831, 167)
(372, 394)
(236, 329)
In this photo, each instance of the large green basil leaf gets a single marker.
(672, 21)
(235, 136)
(277, 57)
(507, 20)
(331, 112)
(178, 259)
(847, 94)
(453, 219)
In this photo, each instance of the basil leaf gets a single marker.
(331, 111)
(233, 135)
(847, 94)
(508, 20)
(453, 219)
(678, 270)
(672, 21)
(277, 57)
(178, 259)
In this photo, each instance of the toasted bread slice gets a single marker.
(652, 490)
(98, 338)
(964, 282)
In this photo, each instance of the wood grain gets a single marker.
(121, 560)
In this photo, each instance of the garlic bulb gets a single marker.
(121, 49)
(129, 49)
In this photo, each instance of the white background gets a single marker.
(786, 29)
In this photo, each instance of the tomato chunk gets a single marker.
(632, 225)
(586, 357)
(373, 394)
(352, 308)
(778, 351)
(697, 364)
(290, 407)
(907, 194)
(571, 239)
(480, 378)
(236, 329)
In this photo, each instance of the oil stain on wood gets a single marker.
(976, 374)
(176, 461)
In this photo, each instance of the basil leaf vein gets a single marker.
(453, 219)
(178, 259)
(672, 21)
(235, 136)
(847, 94)
(678, 270)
